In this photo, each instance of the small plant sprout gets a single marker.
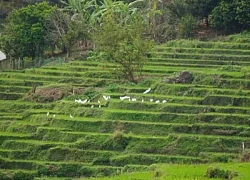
(158, 101)
(133, 99)
(54, 115)
(92, 106)
(100, 106)
(147, 91)
(164, 101)
(70, 116)
(142, 100)
(151, 100)
(47, 113)
(99, 101)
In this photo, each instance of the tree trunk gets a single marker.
(68, 52)
(131, 77)
(53, 49)
(207, 22)
(13, 64)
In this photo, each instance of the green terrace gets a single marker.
(203, 119)
(165, 48)
(210, 45)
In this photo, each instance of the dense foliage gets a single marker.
(116, 27)
(25, 32)
(231, 15)
(121, 37)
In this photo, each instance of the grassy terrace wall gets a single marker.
(205, 117)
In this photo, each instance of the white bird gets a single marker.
(147, 91)
(164, 101)
(151, 100)
(70, 116)
(142, 100)
(157, 101)
(84, 101)
(124, 97)
(106, 97)
(133, 99)
(47, 113)
(54, 115)
(92, 106)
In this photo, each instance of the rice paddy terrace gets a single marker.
(201, 117)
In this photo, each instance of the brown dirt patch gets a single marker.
(48, 94)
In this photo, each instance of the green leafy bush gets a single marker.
(215, 172)
(245, 157)
(187, 27)
(118, 141)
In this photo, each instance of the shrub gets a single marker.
(118, 141)
(187, 27)
(215, 172)
(27, 62)
(245, 157)
(91, 93)
(48, 170)
(112, 88)
(23, 176)
(157, 173)
(4, 176)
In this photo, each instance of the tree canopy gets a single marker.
(122, 41)
(122, 28)
(233, 14)
(25, 32)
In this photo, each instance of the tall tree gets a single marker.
(120, 36)
(231, 15)
(81, 9)
(201, 8)
(25, 32)
(63, 31)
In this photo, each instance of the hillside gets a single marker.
(196, 112)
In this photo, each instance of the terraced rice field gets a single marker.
(205, 119)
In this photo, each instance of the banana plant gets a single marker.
(119, 10)
(152, 12)
(81, 9)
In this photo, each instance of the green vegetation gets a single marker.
(33, 32)
(231, 15)
(186, 172)
(105, 98)
(24, 36)
(203, 121)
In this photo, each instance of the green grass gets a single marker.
(183, 172)
(203, 51)
(211, 45)
(202, 56)
(205, 120)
